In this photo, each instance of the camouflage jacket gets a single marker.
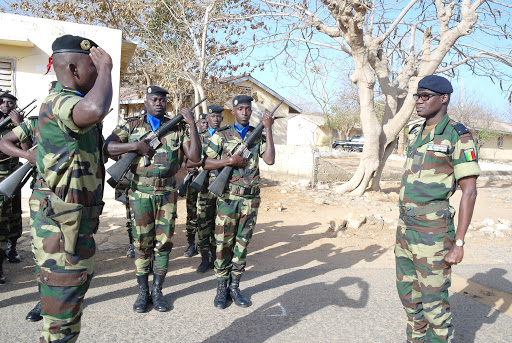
(436, 163)
(69, 158)
(164, 164)
(7, 163)
(224, 140)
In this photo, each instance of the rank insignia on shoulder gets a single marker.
(470, 154)
(460, 128)
(437, 147)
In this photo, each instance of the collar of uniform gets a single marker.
(67, 90)
(442, 125)
(436, 131)
(233, 130)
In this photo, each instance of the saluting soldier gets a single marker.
(441, 154)
(237, 208)
(70, 162)
(152, 192)
(10, 208)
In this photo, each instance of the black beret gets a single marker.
(69, 43)
(215, 109)
(242, 100)
(9, 96)
(436, 84)
(202, 116)
(156, 90)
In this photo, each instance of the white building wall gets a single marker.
(301, 132)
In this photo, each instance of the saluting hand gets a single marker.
(100, 58)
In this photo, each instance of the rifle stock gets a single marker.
(10, 185)
(198, 182)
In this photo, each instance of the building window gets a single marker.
(6, 74)
(243, 90)
(500, 141)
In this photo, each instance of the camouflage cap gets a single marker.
(435, 83)
(156, 90)
(242, 100)
(69, 43)
(215, 109)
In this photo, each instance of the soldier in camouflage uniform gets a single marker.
(237, 208)
(10, 208)
(440, 154)
(153, 189)
(70, 162)
(207, 201)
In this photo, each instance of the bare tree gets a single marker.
(392, 44)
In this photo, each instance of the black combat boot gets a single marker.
(235, 294)
(11, 252)
(143, 300)
(131, 249)
(191, 249)
(205, 261)
(35, 314)
(213, 257)
(222, 294)
(2, 277)
(159, 302)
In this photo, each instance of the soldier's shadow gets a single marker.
(468, 322)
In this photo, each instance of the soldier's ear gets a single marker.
(73, 69)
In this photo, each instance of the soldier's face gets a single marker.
(214, 120)
(242, 114)
(156, 105)
(203, 125)
(7, 105)
(432, 106)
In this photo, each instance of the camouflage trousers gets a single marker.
(153, 218)
(234, 224)
(10, 219)
(64, 278)
(423, 279)
(191, 200)
(206, 210)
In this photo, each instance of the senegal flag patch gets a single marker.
(469, 154)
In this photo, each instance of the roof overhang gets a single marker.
(18, 41)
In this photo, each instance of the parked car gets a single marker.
(355, 143)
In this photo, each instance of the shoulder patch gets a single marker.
(414, 127)
(460, 128)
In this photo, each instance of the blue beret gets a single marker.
(215, 109)
(202, 116)
(242, 100)
(69, 43)
(436, 84)
(156, 90)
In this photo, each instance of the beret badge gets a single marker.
(210, 111)
(85, 45)
(235, 102)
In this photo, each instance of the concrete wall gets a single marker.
(292, 162)
(30, 61)
(304, 132)
(491, 151)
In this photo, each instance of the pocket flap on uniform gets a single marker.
(65, 279)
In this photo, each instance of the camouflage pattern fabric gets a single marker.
(69, 159)
(236, 213)
(121, 189)
(432, 169)
(153, 206)
(153, 218)
(10, 208)
(191, 203)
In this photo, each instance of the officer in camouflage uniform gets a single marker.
(70, 162)
(153, 189)
(207, 201)
(237, 208)
(441, 154)
(10, 208)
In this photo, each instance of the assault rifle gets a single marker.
(198, 182)
(12, 183)
(120, 168)
(182, 188)
(7, 120)
(219, 184)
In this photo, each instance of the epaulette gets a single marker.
(414, 127)
(132, 118)
(460, 128)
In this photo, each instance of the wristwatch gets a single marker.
(459, 243)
